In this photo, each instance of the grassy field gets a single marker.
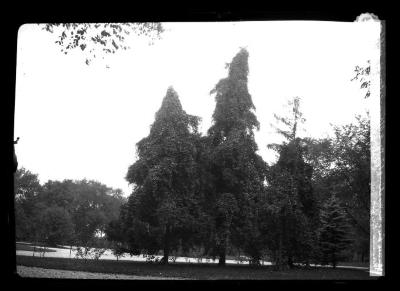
(20, 245)
(192, 271)
(26, 247)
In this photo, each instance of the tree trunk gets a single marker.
(35, 243)
(222, 258)
(278, 254)
(334, 261)
(290, 262)
(164, 260)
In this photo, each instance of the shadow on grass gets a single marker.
(192, 271)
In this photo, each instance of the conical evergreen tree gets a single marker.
(333, 234)
(237, 170)
(161, 211)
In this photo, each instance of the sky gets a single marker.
(77, 121)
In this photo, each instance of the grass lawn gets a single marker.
(26, 247)
(20, 245)
(192, 271)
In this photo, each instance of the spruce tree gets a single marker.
(237, 169)
(161, 211)
(334, 230)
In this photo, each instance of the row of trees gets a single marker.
(214, 193)
(63, 212)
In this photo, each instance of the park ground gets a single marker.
(131, 269)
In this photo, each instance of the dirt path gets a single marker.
(34, 272)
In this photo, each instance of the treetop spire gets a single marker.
(170, 103)
(234, 105)
(239, 67)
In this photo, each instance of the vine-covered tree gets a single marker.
(162, 210)
(334, 231)
(237, 169)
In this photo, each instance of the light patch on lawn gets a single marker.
(34, 272)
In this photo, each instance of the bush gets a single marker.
(89, 253)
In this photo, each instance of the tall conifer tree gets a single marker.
(237, 169)
(161, 211)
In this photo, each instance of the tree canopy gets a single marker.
(65, 211)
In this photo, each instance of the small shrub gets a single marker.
(89, 253)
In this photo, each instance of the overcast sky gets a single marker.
(77, 121)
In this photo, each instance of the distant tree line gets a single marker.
(63, 212)
(215, 196)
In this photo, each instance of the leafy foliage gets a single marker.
(95, 38)
(89, 253)
(26, 188)
(342, 168)
(55, 226)
(115, 235)
(351, 178)
(62, 212)
(362, 74)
